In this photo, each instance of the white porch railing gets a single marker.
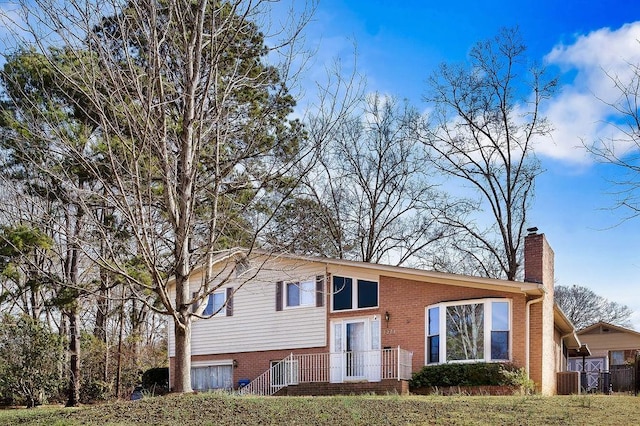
(332, 367)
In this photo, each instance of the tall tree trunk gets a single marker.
(73, 283)
(102, 313)
(74, 358)
(182, 376)
(119, 362)
(138, 319)
(102, 307)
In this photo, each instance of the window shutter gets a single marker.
(279, 286)
(319, 291)
(230, 301)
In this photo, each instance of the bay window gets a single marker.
(472, 330)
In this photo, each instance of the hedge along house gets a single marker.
(306, 325)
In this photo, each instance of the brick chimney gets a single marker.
(538, 260)
(538, 268)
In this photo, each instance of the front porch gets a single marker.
(379, 371)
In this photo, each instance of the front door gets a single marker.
(355, 351)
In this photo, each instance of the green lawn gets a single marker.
(217, 409)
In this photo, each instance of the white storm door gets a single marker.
(355, 334)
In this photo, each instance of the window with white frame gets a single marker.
(215, 304)
(300, 294)
(212, 377)
(472, 330)
(433, 335)
(350, 293)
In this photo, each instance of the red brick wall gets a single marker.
(535, 342)
(382, 387)
(250, 364)
(406, 300)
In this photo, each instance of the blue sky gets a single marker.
(400, 43)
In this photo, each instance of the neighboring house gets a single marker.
(320, 326)
(613, 351)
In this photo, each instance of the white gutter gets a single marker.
(528, 331)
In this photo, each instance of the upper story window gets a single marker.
(350, 293)
(307, 292)
(219, 303)
(474, 330)
(216, 303)
(300, 294)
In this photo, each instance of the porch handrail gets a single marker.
(389, 363)
(405, 360)
(271, 381)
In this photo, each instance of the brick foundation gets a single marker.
(384, 387)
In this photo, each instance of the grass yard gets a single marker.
(220, 409)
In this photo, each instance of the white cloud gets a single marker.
(579, 113)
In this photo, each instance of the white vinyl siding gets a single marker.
(255, 324)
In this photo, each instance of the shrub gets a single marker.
(30, 360)
(156, 380)
(95, 390)
(476, 374)
(518, 377)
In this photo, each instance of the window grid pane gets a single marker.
(434, 349)
(218, 302)
(434, 321)
(293, 294)
(433, 339)
(465, 332)
(208, 310)
(499, 345)
(342, 293)
(375, 335)
(499, 316)
(307, 293)
(367, 294)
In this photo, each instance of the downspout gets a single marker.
(528, 330)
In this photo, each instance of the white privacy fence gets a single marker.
(373, 366)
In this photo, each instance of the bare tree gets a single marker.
(623, 149)
(370, 194)
(486, 115)
(584, 307)
(190, 132)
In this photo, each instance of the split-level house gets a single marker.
(309, 325)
